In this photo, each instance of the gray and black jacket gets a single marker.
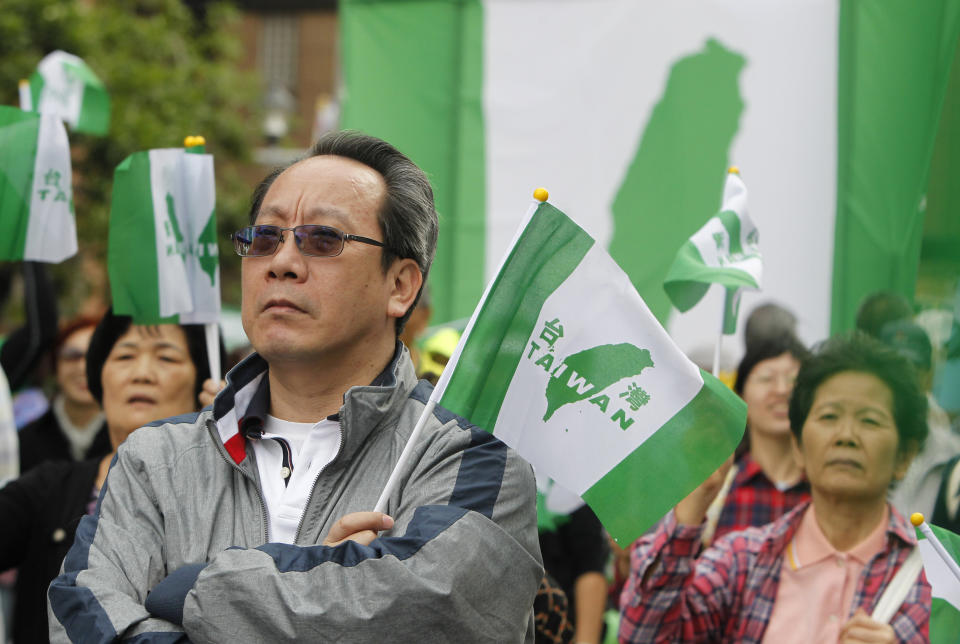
(461, 563)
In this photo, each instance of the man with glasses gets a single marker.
(253, 521)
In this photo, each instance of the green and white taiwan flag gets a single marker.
(564, 362)
(635, 106)
(36, 195)
(162, 257)
(724, 252)
(944, 582)
(65, 86)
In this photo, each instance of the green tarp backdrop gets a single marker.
(629, 112)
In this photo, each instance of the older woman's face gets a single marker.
(850, 440)
(767, 394)
(72, 367)
(147, 376)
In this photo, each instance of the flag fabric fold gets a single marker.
(65, 86)
(724, 251)
(944, 581)
(162, 256)
(36, 195)
(563, 361)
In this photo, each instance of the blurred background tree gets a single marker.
(171, 70)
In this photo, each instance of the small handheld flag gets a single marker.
(162, 256)
(724, 251)
(563, 361)
(65, 86)
(940, 551)
(36, 194)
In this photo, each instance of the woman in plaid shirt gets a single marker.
(857, 415)
(765, 482)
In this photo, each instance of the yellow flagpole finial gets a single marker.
(195, 144)
(734, 170)
(916, 519)
(541, 194)
(23, 82)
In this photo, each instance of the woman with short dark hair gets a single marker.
(816, 574)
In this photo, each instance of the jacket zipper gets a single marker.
(313, 487)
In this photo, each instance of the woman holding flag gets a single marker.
(765, 482)
(139, 374)
(818, 573)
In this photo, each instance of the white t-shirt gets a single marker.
(311, 447)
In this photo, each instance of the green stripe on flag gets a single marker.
(548, 251)
(95, 104)
(731, 222)
(887, 117)
(132, 252)
(688, 448)
(18, 149)
(94, 111)
(36, 89)
(731, 310)
(682, 285)
(413, 73)
(949, 541)
(689, 278)
(944, 622)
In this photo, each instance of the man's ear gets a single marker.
(405, 281)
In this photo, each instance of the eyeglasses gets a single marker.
(311, 240)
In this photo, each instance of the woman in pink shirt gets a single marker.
(815, 575)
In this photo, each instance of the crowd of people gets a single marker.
(146, 498)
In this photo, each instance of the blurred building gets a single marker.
(292, 44)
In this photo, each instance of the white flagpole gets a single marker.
(716, 347)
(26, 103)
(896, 591)
(948, 561)
(405, 456)
(212, 333)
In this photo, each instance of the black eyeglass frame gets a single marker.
(344, 238)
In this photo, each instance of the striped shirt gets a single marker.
(727, 593)
(754, 500)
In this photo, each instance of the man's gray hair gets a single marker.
(408, 217)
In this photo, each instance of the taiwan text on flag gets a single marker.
(162, 257)
(65, 86)
(944, 583)
(724, 251)
(36, 198)
(563, 361)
